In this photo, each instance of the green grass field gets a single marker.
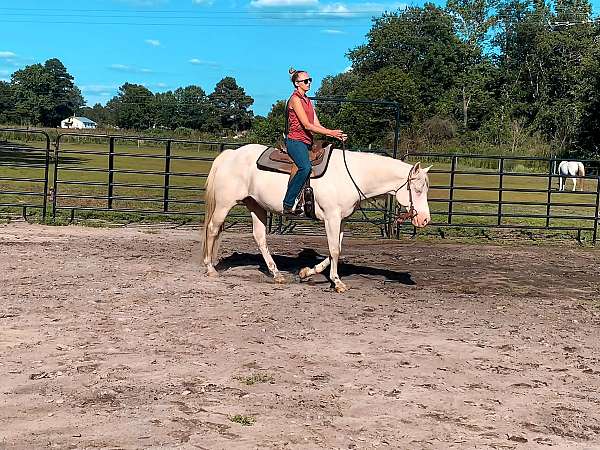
(140, 195)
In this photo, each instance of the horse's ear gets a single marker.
(426, 169)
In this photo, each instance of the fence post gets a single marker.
(167, 174)
(397, 132)
(55, 180)
(46, 170)
(597, 210)
(549, 195)
(500, 188)
(111, 166)
(451, 194)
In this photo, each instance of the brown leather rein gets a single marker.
(399, 218)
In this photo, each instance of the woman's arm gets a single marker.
(314, 127)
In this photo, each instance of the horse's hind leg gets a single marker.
(259, 230)
(213, 231)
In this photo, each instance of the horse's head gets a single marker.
(413, 196)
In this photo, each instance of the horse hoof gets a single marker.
(279, 279)
(212, 273)
(340, 288)
(304, 273)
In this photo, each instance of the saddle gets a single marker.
(276, 159)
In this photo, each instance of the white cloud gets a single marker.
(153, 42)
(203, 2)
(100, 89)
(331, 31)
(279, 3)
(314, 9)
(129, 69)
(201, 62)
(347, 69)
(149, 3)
(342, 10)
(7, 55)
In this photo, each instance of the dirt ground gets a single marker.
(114, 338)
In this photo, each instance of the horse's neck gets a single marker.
(376, 174)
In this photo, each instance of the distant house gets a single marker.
(78, 122)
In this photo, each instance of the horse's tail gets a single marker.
(581, 173)
(209, 205)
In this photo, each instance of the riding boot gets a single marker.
(309, 202)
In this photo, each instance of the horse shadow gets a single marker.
(309, 258)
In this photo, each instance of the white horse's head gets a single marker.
(413, 196)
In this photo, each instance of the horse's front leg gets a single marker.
(574, 183)
(259, 231)
(333, 227)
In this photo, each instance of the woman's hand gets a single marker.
(338, 134)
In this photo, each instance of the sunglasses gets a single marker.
(305, 81)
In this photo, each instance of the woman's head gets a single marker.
(300, 79)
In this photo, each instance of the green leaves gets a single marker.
(232, 103)
(44, 94)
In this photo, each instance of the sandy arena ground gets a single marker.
(114, 338)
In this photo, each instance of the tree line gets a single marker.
(45, 94)
(505, 75)
(510, 75)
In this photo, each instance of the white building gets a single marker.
(78, 122)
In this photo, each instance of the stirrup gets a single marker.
(297, 211)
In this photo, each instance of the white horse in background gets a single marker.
(570, 169)
(234, 178)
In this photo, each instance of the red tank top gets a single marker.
(296, 131)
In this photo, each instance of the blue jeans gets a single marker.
(298, 151)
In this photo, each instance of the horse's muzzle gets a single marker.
(421, 220)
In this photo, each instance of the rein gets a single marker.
(399, 218)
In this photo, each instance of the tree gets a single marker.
(6, 102)
(270, 129)
(165, 108)
(194, 110)
(232, 103)
(45, 94)
(372, 124)
(422, 43)
(338, 86)
(98, 113)
(133, 107)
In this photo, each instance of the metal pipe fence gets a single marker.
(24, 170)
(512, 192)
(138, 176)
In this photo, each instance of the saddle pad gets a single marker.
(271, 160)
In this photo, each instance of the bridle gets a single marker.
(411, 212)
(399, 218)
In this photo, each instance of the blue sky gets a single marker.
(166, 44)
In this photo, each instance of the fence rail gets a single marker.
(142, 175)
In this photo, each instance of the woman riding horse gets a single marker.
(302, 123)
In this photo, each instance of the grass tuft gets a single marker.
(246, 421)
(255, 378)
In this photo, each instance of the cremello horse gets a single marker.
(570, 169)
(234, 178)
